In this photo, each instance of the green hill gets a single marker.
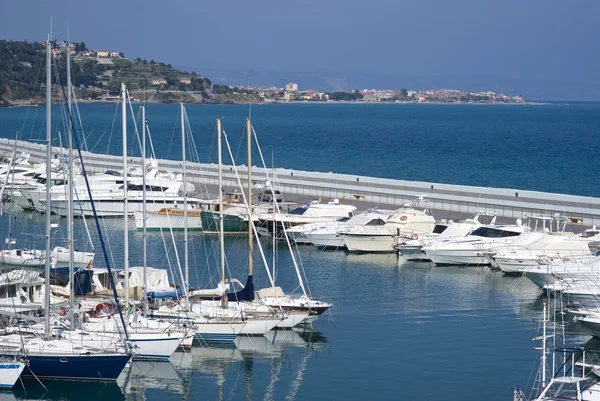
(95, 75)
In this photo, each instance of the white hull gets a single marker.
(60, 258)
(157, 221)
(113, 208)
(332, 240)
(458, 257)
(369, 243)
(10, 373)
(292, 320)
(146, 343)
(412, 253)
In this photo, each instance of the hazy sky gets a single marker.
(548, 39)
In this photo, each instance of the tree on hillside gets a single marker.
(121, 54)
(404, 92)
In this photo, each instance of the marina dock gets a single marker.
(505, 202)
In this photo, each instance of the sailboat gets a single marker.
(151, 341)
(243, 301)
(234, 305)
(48, 356)
(203, 329)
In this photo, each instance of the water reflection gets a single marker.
(64, 390)
(231, 372)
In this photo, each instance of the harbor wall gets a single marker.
(506, 202)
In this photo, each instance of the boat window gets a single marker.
(589, 233)
(343, 219)
(113, 173)
(489, 232)
(14, 171)
(151, 188)
(12, 291)
(485, 219)
(29, 174)
(439, 228)
(375, 222)
(299, 210)
(3, 292)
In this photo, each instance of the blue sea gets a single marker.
(409, 331)
(549, 147)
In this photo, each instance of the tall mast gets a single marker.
(185, 209)
(250, 224)
(70, 236)
(221, 235)
(125, 204)
(144, 212)
(48, 172)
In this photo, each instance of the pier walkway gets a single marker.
(510, 203)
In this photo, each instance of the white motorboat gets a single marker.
(325, 235)
(408, 222)
(411, 249)
(313, 212)
(549, 269)
(108, 194)
(525, 252)
(473, 249)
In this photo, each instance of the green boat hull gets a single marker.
(231, 224)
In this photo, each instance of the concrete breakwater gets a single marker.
(512, 203)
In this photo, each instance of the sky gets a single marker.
(529, 39)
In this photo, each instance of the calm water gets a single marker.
(409, 332)
(536, 147)
(395, 332)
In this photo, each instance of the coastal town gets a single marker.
(292, 93)
(98, 74)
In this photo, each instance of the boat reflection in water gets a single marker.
(60, 390)
(222, 372)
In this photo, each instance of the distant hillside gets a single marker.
(330, 81)
(98, 74)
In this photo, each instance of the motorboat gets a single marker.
(411, 249)
(327, 234)
(473, 249)
(313, 212)
(518, 258)
(410, 221)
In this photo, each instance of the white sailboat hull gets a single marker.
(10, 373)
(157, 221)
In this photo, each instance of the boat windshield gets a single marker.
(589, 233)
(439, 228)
(489, 232)
(375, 222)
(299, 210)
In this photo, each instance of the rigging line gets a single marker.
(277, 209)
(177, 116)
(76, 139)
(250, 220)
(112, 128)
(170, 227)
(99, 139)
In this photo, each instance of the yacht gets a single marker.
(313, 212)
(410, 221)
(411, 249)
(327, 235)
(473, 249)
